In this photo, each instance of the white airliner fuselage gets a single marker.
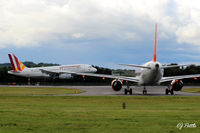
(37, 72)
(150, 76)
(19, 69)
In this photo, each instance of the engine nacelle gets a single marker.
(65, 76)
(116, 85)
(176, 85)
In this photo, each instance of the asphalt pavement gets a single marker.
(108, 91)
(137, 91)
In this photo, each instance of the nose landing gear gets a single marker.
(144, 91)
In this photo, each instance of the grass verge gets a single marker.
(86, 114)
(22, 91)
(192, 90)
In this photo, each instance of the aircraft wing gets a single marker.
(49, 71)
(132, 79)
(165, 79)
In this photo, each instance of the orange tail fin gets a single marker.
(155, 44)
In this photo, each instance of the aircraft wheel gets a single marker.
(130, 91)
(166, 91)
(144, 92)
(172, 92)
(125, 91)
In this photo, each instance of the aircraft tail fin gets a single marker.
(155, 45)
(16, 64)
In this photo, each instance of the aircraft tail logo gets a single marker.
(16, 64)
(155, 44)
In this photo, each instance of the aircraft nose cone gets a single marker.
(94, 69)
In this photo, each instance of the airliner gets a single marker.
(19, 69)
(151, 75)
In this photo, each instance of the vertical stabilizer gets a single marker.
(155, 44)
(16, 64)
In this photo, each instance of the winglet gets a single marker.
(155, 44)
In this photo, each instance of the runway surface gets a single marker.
(137, 91)
(107, 91)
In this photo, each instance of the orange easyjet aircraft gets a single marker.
(151, 74)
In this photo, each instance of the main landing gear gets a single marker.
(128, 89)
(168, 90)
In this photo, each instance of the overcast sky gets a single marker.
(100, 32)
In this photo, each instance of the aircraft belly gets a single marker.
(36, 74)
(151, 78)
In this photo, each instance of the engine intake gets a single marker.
(116, 85)
(177, 85)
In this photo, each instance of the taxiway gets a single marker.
(137, 91)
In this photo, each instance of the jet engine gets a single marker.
(116, 85)
(65, 76)
(176, 85)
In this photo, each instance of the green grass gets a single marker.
(20, 91)
(193, 90)
(84, 114)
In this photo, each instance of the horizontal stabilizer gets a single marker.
(171, 66)
(133, 65)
